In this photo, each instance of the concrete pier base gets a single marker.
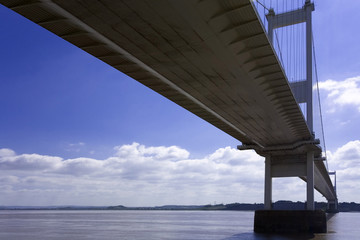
(290, 221)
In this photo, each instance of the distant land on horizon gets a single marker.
(279, 205)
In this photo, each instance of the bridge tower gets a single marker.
(302, 91)
(301, 159)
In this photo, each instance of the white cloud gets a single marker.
(136, 150)
(80, 166)
(34, 162)
(347, 156)
(76, 144)
(341, 93)
(151, 175)
(75, 147)
(5, 152)
(140, 175)
(346, 161)
(8, 180)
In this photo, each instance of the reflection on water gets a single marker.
(222, 225)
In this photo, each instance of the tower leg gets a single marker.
(268, 184)
(310, 181)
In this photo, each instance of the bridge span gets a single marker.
(212, 57)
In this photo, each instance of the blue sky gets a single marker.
(75, 131)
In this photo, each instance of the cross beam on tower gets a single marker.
(303, 89)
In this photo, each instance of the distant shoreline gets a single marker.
(279, 205)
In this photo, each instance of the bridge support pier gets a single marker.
(277, 221)
(332, 207)
(301, 159)
(290, 166)
(290, 221)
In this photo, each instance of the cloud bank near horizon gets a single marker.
(137, 175)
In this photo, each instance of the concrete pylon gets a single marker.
(285, 164)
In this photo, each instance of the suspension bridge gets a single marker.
(234, 64)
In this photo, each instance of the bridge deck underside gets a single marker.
(211, 57)
(323, 182)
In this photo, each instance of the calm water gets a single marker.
(102, 225)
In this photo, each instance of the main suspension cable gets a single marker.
(263, 5)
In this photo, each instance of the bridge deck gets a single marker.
(211, 57)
